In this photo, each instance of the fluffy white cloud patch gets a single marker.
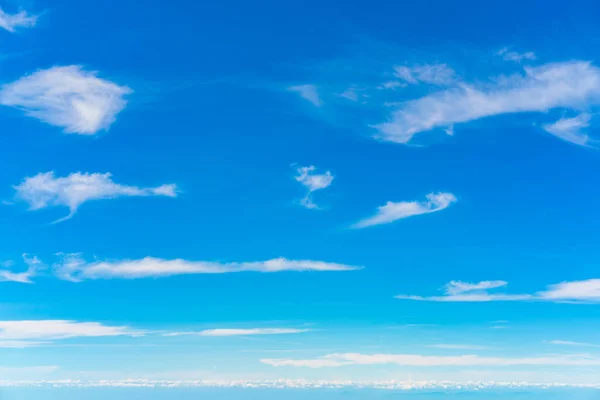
(11, 22)
(312, 182)
(45, 190)
(67, 97)
(75, 268)
(586, 291)
(566, 85)
(392, 211)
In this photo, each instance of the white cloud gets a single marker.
(75, 268)
(45, 190)
(33, 267)
(458, 347)
(456, 287)
(68, 97)
(568, 85)
(569, 343)
(395, 211)
(350, 94)
(19, 20)
(391, 85)
(412, 384)
(23, 334)
(569, 129)
(312, 181)
(516, 57)
(435, 74)
(240, 332)
(415, 360)
(586, 291)
(309, 93)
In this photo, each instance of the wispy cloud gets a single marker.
(45, 190)
(67, 97)
(569, 129)
(74, 268)
(459, 347)
(21, 334)
(434, 74)
(309, 93)
(33, 267)
(415, 360)
(514, 56)
(240, 332)
(395, 211)
(586, 291)
(11, 22)
(568, 85)
(313, 182)
(569, 343)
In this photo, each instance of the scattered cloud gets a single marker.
(568, 343)
(391, 85)
(435, 74)
(240, 332)
(395, 211)
(11, 22)
(309, 93)
(567, 85)
(457, 287)
(586, 291)
(67, 97)
(74, 268)
(33, 267)
(313, 182)
(459, 347)
(45, 190)
(414, 360)
(350, 94)
(22, 334)
(514, 56)
(569, 129)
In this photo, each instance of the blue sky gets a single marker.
(241, 191)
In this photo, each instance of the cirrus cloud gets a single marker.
(45, 190)
(67, 97)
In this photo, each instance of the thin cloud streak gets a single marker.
(576, 292)
(392, 212)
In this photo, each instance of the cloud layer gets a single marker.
(395, 211)
(45, 190)
(586, 291)
(67, 97)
